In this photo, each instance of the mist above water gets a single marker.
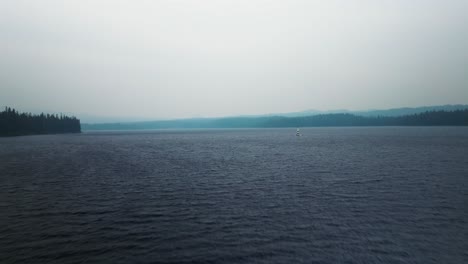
(175, 59)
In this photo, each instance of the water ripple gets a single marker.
(355, 195)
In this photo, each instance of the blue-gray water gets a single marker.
(349, 195)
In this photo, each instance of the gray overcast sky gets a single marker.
(167, 59)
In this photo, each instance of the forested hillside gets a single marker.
(432, 118)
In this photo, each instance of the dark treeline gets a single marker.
(431, 118)
(13, 123)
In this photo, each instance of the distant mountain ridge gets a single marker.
(410, 110)
(377, 112)
(427, 118)
(90, 119)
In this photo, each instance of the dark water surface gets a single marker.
(334, 195)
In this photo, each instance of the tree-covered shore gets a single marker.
(13, 123)
(429, 118)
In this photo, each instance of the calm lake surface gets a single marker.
(334, 195)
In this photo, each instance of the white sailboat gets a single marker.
(298, 133)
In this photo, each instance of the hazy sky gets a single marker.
(166, 59)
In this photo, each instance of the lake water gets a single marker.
(334, 195)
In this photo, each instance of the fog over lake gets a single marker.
(141, 60)
(234, 131)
